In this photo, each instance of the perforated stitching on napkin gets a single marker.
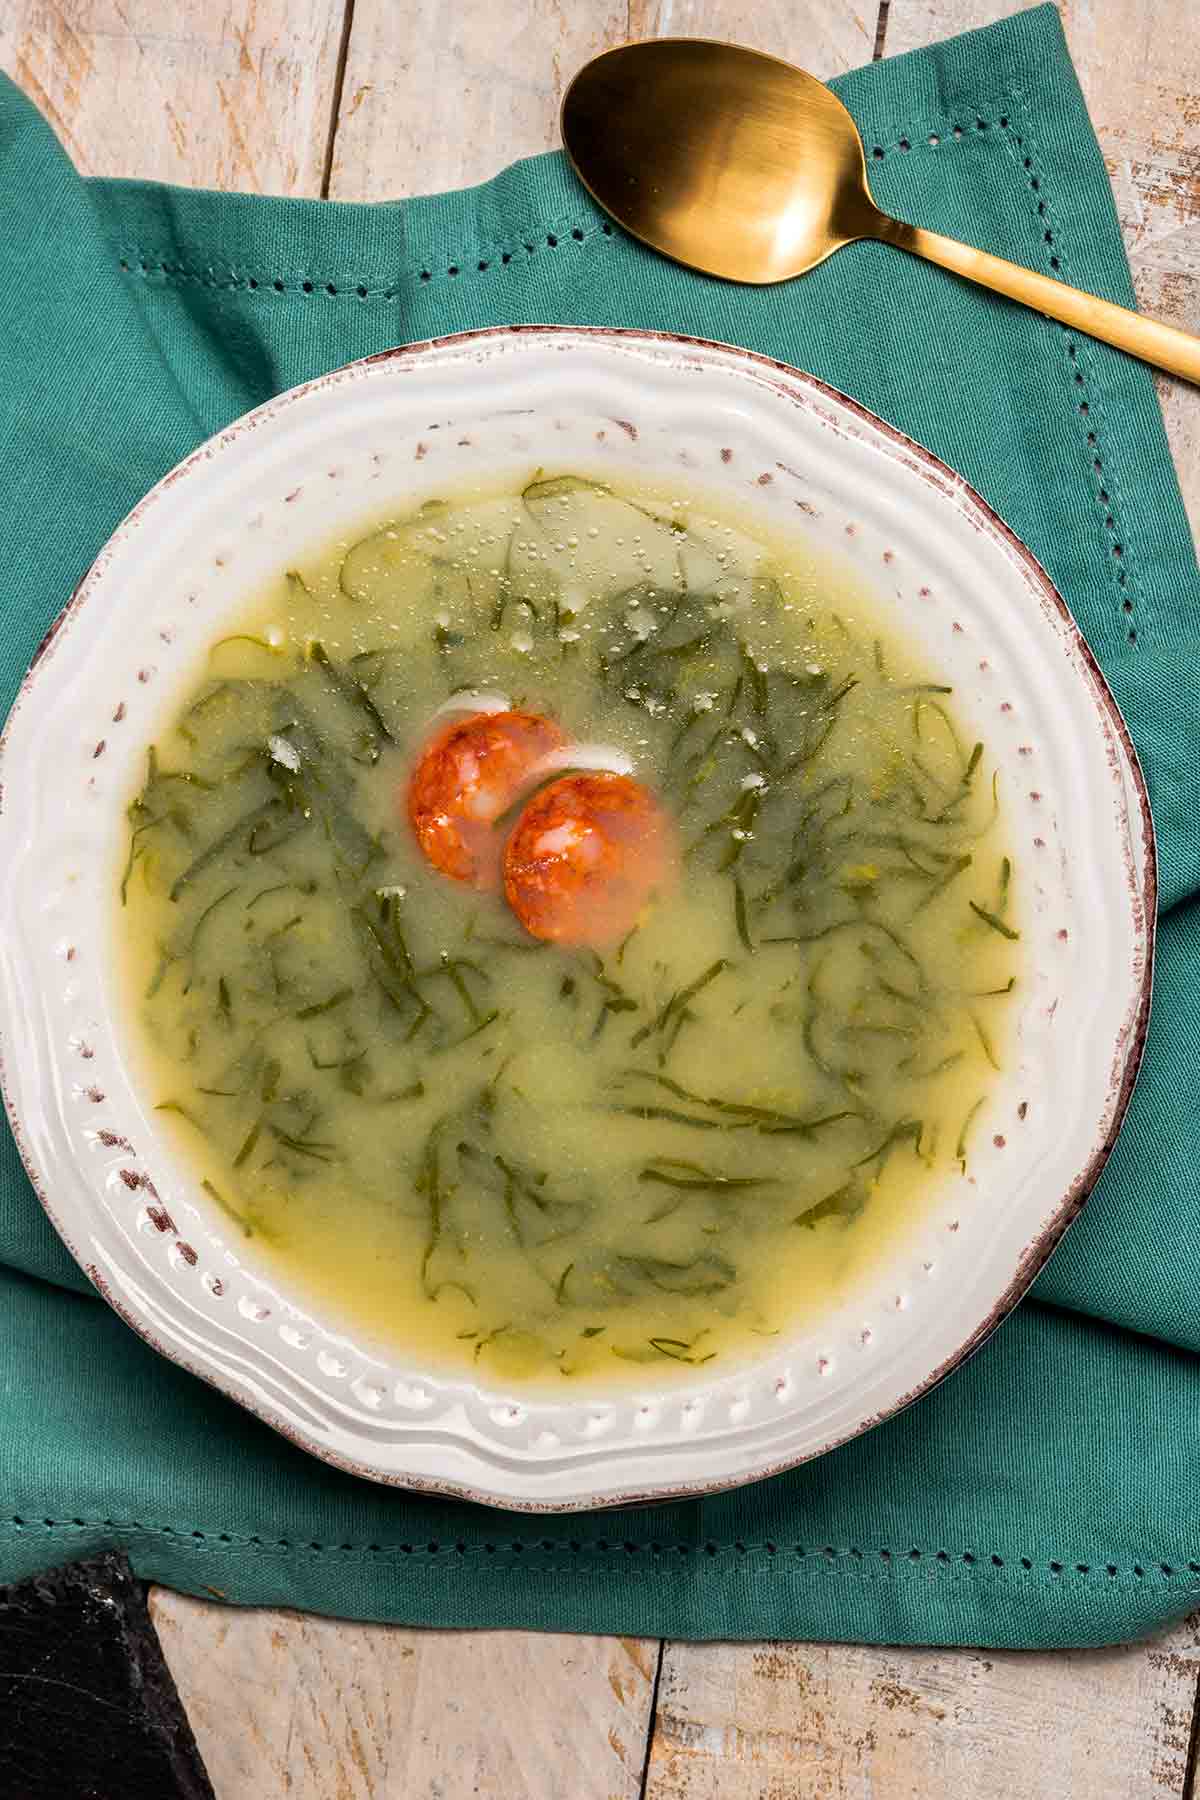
(947, 132)
(848, 1558)
(552, 234)
(162, 270)
(1104, 482)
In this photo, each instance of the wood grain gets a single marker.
(776, 1721)
(283, 1704)
(1140, 74)
(440, 96)
(212, 93)
(826, 39)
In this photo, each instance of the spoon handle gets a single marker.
(1176, 351)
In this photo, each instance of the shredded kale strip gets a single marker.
(741, 922)
(960, 1148)
(994, 922)
(351, 690)
(678, 1001)
(692, 1177)
(767, 1119)
(317, 1007)
(428, 1185)
(707, 1273)
(267, 812)
(903, 1131)
(672, 1116)
(390, 963)
(842, 1204)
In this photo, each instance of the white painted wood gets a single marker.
(748, 1722)
(439, 96)
(212, 93)
(283, 1704)
(825, 39)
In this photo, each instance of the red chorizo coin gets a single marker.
(467, 776)
(585, 856)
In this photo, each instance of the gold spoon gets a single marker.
(745, 167)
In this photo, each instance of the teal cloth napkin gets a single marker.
(1049, 1492)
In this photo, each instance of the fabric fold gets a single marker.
(1048, 1492)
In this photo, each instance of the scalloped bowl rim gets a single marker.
(462, 1453)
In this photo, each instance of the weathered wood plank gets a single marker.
(213, 93)
(1140, 73)
(439, 96)
(436, 97)
(285, 1704)
(825, 38)
(770, 1722)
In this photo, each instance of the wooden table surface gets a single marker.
(374, 99)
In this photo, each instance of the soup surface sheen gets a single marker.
(535, 1159)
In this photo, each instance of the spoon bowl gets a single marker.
(738, 164)
(723, 158)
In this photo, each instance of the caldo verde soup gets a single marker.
(570, 932)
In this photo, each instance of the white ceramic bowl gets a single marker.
(401, 427)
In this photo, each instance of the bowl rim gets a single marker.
(1144, 882)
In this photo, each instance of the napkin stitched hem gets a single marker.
(1077, 349)
(940, 132)
(937, 135)
(1180, 1575)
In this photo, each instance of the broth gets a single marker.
(540, 1160)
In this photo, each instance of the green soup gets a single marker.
(483, 1149)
